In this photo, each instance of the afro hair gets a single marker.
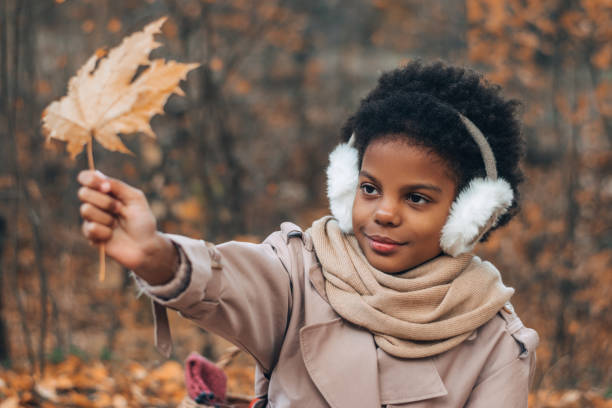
(421, 101)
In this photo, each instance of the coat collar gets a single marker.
(350, 371)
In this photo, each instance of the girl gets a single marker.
(382, 304)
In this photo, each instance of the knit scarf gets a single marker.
(421, 312)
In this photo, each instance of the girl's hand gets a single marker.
(118, 215)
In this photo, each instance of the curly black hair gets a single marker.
(421, 101)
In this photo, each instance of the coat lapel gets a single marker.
(403, 381)
(341, 361)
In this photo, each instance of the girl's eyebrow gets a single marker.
(424, 187)
(420, 186)
(368, 175)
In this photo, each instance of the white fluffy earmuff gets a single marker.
(474, 212)
(342, 179)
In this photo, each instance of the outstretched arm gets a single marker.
(240, 291)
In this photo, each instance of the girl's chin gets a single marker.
(386, 264)
(392, 264)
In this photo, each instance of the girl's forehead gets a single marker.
(398, 158)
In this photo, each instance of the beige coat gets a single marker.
(268, 301)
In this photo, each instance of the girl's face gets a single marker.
(403, 200)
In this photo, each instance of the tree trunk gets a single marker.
(5, 351)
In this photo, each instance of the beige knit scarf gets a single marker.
(421, 312)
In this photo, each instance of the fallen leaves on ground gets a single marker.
(93, 384)
(568, 399)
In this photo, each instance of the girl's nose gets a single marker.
(387, 214)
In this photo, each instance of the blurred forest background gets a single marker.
(247, 148)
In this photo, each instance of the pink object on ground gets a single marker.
(204, 380)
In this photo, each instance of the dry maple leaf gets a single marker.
(104, 99)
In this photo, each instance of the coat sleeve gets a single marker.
(508, 386)
(240, 291)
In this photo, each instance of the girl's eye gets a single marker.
(368, 189)
(417, 199)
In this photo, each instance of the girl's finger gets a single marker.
(100, 200)
(98, 181)
(96, 232)
(92, 213)
(95, 180)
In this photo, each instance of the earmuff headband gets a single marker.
(483, 145)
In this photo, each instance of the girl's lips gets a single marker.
(382, 245)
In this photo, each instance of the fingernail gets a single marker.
(105, 186)
(99, 173)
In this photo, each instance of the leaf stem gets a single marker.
(102, 261)
(90, 158)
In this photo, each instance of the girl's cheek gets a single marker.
(361, 209)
